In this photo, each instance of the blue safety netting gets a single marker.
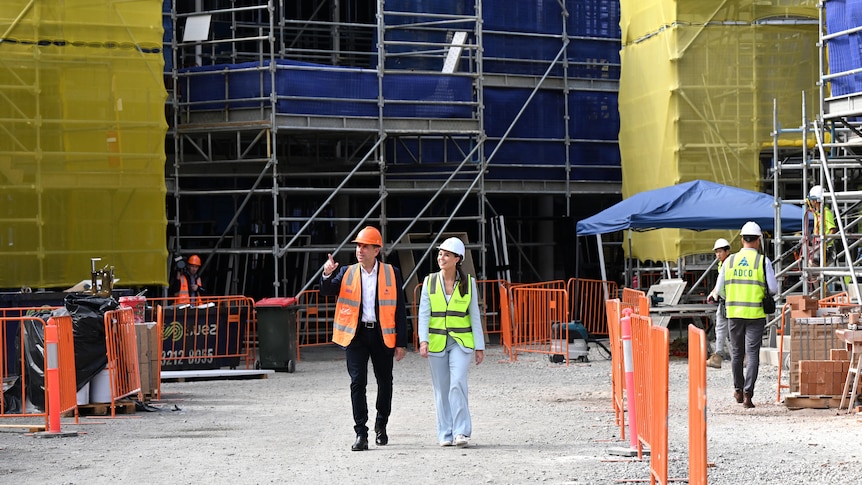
(845, 52)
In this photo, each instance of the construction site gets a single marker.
(588, 154)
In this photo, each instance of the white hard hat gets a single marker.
(453, 245)
(720, 243)
(751, 229)
(816, 193)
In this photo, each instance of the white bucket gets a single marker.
(84, 395)
(100, 387)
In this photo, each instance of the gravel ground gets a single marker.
(533, 421)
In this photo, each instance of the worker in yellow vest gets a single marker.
(746, 281)
(450, 334)
(370, 323)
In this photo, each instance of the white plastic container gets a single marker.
(100, 387)
(84, 395)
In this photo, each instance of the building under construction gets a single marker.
(273, 131)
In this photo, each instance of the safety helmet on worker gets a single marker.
(453, 245)
(369, 235)
(195, 260)
(816, 193)
(751, 228)
(720, 243)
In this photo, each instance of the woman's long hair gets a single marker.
(462, 277)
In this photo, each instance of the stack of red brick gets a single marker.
(818, 359)
(824, 377)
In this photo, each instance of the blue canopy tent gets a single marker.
(692, 205)
(698, 205)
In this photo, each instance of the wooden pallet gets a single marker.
(104, 409)
(812, 402)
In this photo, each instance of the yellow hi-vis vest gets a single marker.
(745, 284)
(350, 297)
(450, 318)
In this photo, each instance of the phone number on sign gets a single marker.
(179, 357)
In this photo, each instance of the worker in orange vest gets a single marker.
(370, 322)
(190, 281)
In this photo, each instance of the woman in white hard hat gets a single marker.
(450, 332)
(722, 251)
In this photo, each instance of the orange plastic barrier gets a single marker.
(780, 332)
(122, 346)
(631, 297)
(489, 305)
(536, 310)
(507, 320)
(314, 320)
(651, 347)
(13, 366)
(614, 312)
(696, 406)
(836, 300)
(213, 334)
(586, 299)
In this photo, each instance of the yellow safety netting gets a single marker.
(696, 99)
(82, 102)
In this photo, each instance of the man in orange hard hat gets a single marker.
(189, 280)
(370, 323)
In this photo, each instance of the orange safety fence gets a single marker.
(220, 331)
(618, 379)
(650, 349)
(122, 350)
(779, 333)
(696, 406)
(586, 305)
(29, 394)
(314, 320)
(834, 301)
(507, 311)
(636, 300)
(540, 320)
(490, 305)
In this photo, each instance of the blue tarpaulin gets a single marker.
(697, 205)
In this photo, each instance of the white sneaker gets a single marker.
(446, 443)
(461, 441)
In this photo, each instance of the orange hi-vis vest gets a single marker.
(183, 297)
(350, 297)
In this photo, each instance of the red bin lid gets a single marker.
(281, 301)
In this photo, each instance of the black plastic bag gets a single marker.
(88, 331)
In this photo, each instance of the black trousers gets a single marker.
(368, 343)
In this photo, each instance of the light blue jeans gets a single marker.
(449, 380)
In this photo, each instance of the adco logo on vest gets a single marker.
(739, 271)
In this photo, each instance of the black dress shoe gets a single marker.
(381, 438)
(360, 444)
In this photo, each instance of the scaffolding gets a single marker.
(825, 150)
(294, 124)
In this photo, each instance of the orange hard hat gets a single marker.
(369, 235)
(194, 259)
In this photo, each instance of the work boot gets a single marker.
(360, 444)
(714, 361)
(380, 436)
(746, 401)
(737, 394)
